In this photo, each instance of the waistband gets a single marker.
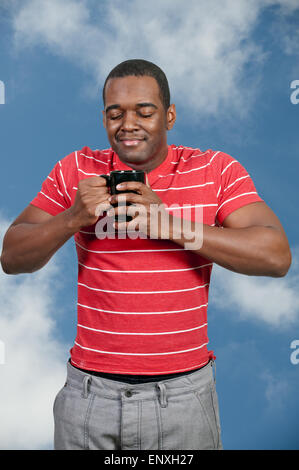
(114, 390)
(134, 379)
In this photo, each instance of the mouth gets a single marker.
(130, 141)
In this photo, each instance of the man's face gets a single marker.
(136, 121)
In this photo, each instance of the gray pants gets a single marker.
(94, 413)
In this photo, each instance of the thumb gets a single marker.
(147, 181)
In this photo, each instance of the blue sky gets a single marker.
(230, 67)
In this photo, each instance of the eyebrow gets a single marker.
(139, 105)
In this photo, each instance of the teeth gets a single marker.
(131, 142)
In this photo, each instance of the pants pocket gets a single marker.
(217, 417)
(71, 419)
(208, 403)
(57, 398)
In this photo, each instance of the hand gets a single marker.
(147, 210)
(90, 202)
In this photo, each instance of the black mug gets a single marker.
(117, 177)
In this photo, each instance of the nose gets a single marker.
(129, 121)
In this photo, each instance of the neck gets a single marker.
(150, 164)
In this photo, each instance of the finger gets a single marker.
(120, 226)
(117, 210)
(124, 198)
(101, 208)
(93, 181)
(101, 180)
(137, 210)
(131, 186)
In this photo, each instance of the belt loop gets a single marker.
(86, 382)
(214, 369)
(163, 397)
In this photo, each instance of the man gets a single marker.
(140, 374)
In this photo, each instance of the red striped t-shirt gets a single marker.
(142, 303)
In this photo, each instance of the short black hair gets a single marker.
(140, 68)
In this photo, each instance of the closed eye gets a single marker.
(115, 117)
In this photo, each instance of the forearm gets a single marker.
(256, 251)
(28, 247)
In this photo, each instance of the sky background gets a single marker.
(231, 65)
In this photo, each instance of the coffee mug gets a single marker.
(117, 177)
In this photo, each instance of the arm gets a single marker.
(34, 237)
(252, 241)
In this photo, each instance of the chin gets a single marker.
(133, 156)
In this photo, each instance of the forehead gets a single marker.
(131, 90)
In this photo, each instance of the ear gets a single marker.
(104, 118)
(170, 117)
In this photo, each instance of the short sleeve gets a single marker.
(235, 187)
(54, 194)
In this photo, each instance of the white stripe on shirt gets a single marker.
(215, 154)
(189, 158)
(143, 334)
(185, 206)
(52, 200)
(128, 251)
(238, 179)
(64, 185)
(142, 292)
(88, 174)
(231, 163)
(93, 158)
(143, 313)
(149, 271)
(59, 192)
(184, 172)
(185, 187)
(232, 198)
(140, 354)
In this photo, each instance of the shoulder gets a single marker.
(86, 152)
(195, 156)
(86, 160)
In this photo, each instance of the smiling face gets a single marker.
(136, 121)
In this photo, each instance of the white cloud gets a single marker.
(204, 47)
(34, 366)
(277, 390)
(271, 301)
